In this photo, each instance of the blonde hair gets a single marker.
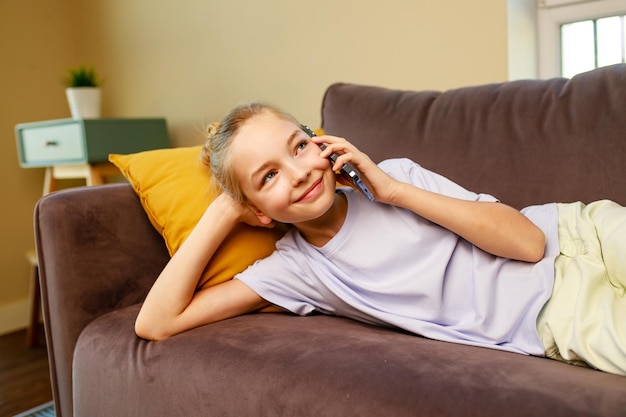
(216, 153)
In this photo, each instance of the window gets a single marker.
(575, 37)
(592, 43)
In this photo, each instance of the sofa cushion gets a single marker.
(174, 190)
(526, 142)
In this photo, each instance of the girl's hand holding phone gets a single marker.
(378, 183)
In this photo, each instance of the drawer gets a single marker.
(60, 143)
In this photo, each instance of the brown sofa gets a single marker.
(526, 142)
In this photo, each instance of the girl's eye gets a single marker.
(268, 177)
(302, 145)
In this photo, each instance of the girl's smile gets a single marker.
(312, 192)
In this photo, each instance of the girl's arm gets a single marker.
(494, 227)
(173, 305)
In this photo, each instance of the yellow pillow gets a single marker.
(173, 186)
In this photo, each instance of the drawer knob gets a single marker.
(51, 143)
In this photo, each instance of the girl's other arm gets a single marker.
(173, 305)
(494, 227)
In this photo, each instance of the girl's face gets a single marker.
(281, 171)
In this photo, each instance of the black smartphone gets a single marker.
(347, 170)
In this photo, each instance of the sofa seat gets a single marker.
(280, 364)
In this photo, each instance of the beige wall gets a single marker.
(191, 60)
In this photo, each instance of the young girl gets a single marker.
(426, 256)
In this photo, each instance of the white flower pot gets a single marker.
(84, 102)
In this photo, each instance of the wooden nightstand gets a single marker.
(79, 148)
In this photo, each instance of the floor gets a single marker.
(24, 374)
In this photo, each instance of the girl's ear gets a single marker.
(262, 217)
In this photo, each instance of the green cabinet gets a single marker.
(83, 141)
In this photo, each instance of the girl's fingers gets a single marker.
(346, 152)
(334, 142)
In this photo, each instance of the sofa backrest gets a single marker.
(526, 142)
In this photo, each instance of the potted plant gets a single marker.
(83, 92)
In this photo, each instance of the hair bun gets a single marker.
(207, 149)
(212, 130)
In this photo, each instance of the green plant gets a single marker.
(82, 76)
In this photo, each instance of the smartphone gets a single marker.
(347, 170)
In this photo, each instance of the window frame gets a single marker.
(551, 14)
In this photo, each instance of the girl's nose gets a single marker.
(299, 174)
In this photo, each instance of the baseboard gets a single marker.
(14, 316)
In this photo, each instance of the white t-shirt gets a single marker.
(391, 267)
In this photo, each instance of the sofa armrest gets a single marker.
(97, 252)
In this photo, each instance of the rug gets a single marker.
(44, 410)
